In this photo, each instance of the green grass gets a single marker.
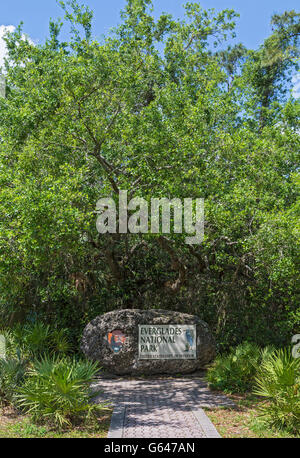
(13, 425)
(243, 421)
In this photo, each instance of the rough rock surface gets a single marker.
(95, 346)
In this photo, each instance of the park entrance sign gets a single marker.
(146, 342)
(173, 341)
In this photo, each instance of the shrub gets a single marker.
(278, 380)
(57, 391)
(36, 340)
(59, 342)
(12, 374)
(236, 371)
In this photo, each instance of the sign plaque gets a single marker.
(172, 341)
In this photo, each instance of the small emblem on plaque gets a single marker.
(190, 337)
(115, 340)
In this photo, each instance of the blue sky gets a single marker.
(252, 27)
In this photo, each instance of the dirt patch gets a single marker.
(243, 419)
(9, 415)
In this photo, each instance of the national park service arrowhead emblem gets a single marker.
(115, 340)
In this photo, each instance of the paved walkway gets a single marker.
(160, 408)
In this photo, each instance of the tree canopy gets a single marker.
(161, 108)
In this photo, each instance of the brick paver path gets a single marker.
(160, 408)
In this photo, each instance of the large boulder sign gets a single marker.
(146, 342)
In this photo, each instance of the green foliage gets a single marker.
(57, 391)
(162, 108)
(278, 380)
(235, 372)
(35, 340)
(59, 342)
(12, 374)
(50, 387)
(40, 339)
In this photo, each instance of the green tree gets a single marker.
(270, 68)
(148, 110)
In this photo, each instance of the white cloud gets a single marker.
(3, 51)
(3, 30)
(296, 85)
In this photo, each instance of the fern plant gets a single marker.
(235, 372)
(36, 340)
(57, 391)
(278, 380)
